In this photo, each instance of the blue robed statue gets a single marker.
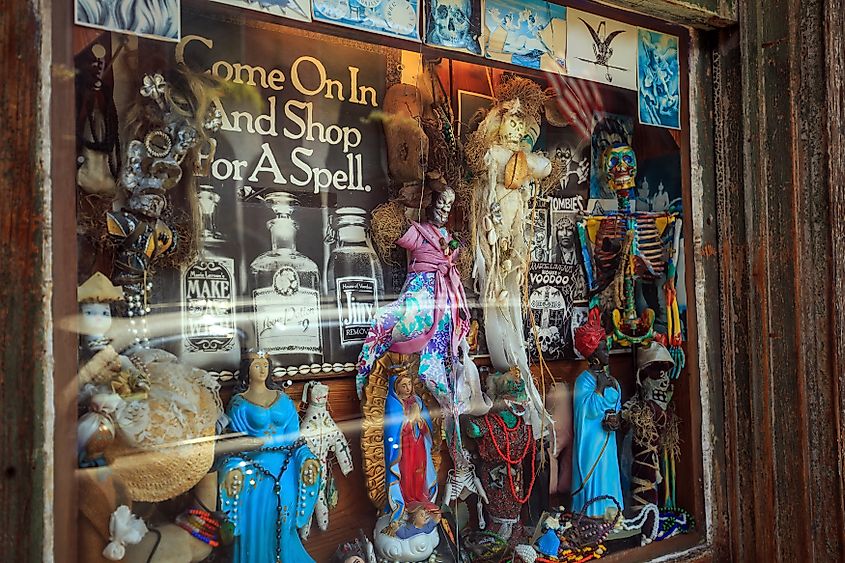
(269, 493)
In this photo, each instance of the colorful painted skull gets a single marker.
(620, 166)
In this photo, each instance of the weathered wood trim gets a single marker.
(704, 14)
(780, 238)
(834, 48)
(24, 293)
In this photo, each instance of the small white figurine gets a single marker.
(323, 437)
(95, 297)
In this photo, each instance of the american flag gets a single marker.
(576, 101)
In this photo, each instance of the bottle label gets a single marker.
(287, 316)
(208, 323)
(357, 301)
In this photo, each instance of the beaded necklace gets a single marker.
(277, 487)
(506, 456)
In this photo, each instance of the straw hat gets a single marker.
(165, 443)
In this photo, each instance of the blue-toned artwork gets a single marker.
(299, 10)
(397, 18)
(454, 24)
(526, 33)
(156, 19)
(658, 73)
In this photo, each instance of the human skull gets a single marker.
(441, 207)
(658, 388)
(451, 21)
(620, 166)
(549, 340)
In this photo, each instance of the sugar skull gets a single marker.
(620, 167)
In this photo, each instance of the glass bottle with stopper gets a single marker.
(355, 282)
(286, 292)
(209, 335)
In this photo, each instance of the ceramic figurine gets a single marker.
(95, 297)
(269, 493)
(653, 422)
(431, 317)
(323, 437)
(401, 445)
(548, 545)
(506, 448)
(508, 175)
(621, 248)
(596, 406)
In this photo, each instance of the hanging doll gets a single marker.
(323, 437)
(508, 174)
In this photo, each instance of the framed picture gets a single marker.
(454, 25)
(299, 10)
(601, 50)
(396, 18)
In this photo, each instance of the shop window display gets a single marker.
(350, 291)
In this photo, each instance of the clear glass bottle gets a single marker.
(355, 284)
(286, 292)
(209, 338)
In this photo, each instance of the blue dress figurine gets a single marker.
(597, 402)
(269, 493)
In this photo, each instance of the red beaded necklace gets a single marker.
(506, 456)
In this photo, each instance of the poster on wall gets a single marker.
(296, 173)
(299, 10)
(601, 49)
(159, 19)
(454, 24)
(396, 18)
(556, 278)
(526, 33)
(659, 79)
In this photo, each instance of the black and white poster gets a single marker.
(556, 280)
(297, 171)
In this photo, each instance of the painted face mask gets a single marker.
(620, 166)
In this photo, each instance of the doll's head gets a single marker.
(620, 167)
(256, 369)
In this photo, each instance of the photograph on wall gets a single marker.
(292, 183)
(396, 18)
(601, 50)
(530, 34)
(608, 129)
(658, 71)
(156, 19)
(472, 108)
(299, 10)
(454, 24)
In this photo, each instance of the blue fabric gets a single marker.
(549, 544)
(253, 512)
(394, 419)
(588, 411)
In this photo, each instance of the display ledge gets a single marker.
(688, 547)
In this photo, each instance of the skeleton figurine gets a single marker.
(623, 247)
(462, 482)
(654, 425)
(450, 25)
(323, 437)
(152, 166)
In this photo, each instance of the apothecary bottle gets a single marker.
(355, 283)
(209, 337)
(286, 292)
